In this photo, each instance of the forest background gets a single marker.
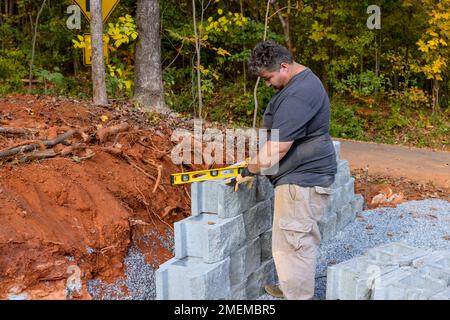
(389, 85)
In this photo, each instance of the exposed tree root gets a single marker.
(16, 131)
(104, 133)
(47, 143)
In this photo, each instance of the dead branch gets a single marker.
(38, 155)
(158, 179)
(142, 194)
(22, 143)
(72, 148)
(167, 211)
(104, 133)
(47, 143)
(138, 168)
(18, 131)
(112, 150)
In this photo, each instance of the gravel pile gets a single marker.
(421, 224)
(139, 281)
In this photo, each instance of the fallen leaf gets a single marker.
(211, 222)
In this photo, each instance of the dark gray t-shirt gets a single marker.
(301, 113)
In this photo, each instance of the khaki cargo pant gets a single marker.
(296, 237)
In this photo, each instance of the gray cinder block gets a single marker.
(265, 274)
(266, 245)
(244, 261)
(192, 279)
(345, 215)
(238, 291)
(264, 188)
(342, 175)
(258, 219)
(209, 237)
(354, 279)
(396, 253)
(413, 286)
(215, 196)
(327, 226)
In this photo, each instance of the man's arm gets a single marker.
(270, 154)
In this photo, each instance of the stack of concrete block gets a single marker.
(223, 251)
(394, 271)
(344, 204)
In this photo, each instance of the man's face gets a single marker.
(276, 79)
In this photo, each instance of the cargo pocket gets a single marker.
(295, 231)
(324, 191)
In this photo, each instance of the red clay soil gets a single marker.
(64, 209)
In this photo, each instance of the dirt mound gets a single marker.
(84, 207)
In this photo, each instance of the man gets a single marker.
(300, 111)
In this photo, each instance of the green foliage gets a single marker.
(344, 122)
(365, 84)
(11, 70)
(411, 53)
(54, 78)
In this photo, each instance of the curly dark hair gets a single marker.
(268, 55)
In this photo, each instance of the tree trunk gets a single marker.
(33, 45)
(244, 63)
(98, 61)
(197, 50)
(255, 89)
(435, 96)
(284, 24)
(148, 86)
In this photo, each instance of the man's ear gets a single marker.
(284, 66)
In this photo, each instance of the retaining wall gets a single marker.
(223, 250)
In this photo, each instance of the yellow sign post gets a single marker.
(87, 51)
(107, 7)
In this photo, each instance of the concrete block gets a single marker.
(327, 226)
(258, 219)
(342, 175)
(209, 237)
(265, 274)
(396, 253)
(354, 279)
(204, 197)
(239, 291)
(435, 272)
(337, 148)
(192, 279)
(410, 287)
(441, 295)
(357, 203)
(266, 245)
(245, 261)
(345, 215)
(215, 196)
(264, 188)
(382, 289)
(439, 258)
(339, 198)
